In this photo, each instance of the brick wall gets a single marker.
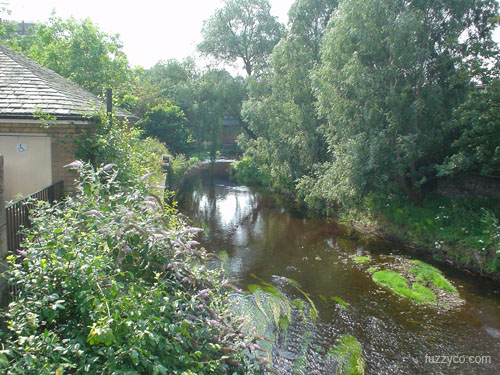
(62, 136)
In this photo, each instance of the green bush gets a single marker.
(247, 173)
(111, 282)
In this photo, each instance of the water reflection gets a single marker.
(264, 237)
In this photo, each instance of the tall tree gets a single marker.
(80, 51)
(391, 73)
(242, 29)
(284, 116)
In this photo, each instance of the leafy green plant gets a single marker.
(112, 281)
(349, 356)
(247, 173)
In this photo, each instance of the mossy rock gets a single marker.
(399, 285)
(361, 259)
(427, 274)
(417, 281)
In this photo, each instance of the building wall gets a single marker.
(62, 136)
(29, 163)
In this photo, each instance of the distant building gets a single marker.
(20, 28)
(229, 133)
(34, 154)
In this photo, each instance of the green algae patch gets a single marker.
(399, 285)
(427, 274)
(349, 356)
(361, 259)
(417, 281)
(340, 301)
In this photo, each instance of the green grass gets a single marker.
(425, 273)
(399, 285)
(371, 270)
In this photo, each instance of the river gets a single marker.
(267, 236)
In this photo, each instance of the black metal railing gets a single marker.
(17, 213)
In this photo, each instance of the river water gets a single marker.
(267, 236)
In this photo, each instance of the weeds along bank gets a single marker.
(112, 281)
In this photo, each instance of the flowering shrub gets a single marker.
(111, 281)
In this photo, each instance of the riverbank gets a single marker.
(462, 231)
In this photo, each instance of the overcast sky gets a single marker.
(149, 29)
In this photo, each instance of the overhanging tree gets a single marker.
(391, 73)
(283, 115)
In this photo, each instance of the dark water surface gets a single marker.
(266, 236)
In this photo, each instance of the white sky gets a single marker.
(149, 29)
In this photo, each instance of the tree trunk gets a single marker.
(417, 200)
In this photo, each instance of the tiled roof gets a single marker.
(27, 87)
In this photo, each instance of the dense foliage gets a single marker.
(477, 121)
(167, 123)
(111, 281)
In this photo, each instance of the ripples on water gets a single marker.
(271, 239)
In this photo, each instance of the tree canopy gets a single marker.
(242, 29)
(80, 51)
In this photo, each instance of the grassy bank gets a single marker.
(464, 231)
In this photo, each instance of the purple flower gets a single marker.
(151, 204)
(204, 293)
(179, 242)
(146, 176)
(126, 248)
(160, 187)
(77, 164)
(22, 253)
(213, 323)
(192, 243)
(107, 167)
(158, 236)
(95, 213)
(192, 318)
(243, 345)
(193, 230)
